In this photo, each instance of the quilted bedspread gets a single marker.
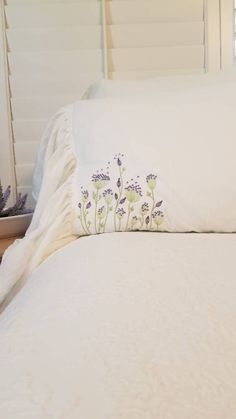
(124, 326)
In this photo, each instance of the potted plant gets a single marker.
(14, 220)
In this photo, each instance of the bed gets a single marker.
(127, 324)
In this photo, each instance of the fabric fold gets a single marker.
(51, 226)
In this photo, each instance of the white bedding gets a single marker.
(124, 326)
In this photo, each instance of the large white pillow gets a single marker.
(155, 167)
(162, 86)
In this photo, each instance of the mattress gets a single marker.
(124, 326)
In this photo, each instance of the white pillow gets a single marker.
(179, 162)
(161, 86)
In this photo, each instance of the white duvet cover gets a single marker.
(124, 326)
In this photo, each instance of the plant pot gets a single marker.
(14, 226)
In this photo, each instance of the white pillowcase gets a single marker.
(180, 171)
(163, 87)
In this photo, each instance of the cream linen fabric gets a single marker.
(189, 146)
(50, 228)
(124, 326)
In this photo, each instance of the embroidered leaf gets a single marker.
(158, 204)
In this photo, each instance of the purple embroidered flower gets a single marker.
(134, 220)
(151, 181)
(147, 220)
(158, 204)
(158, 217)
(120, 212)
(101, 212)
(144, 208)
(88, 205)
(118, 183)
(118, 159)
(133, 192)
(116, 196)
(85, 195)
(100, 180)
(108, 196)
(122, 201)
(79, 205)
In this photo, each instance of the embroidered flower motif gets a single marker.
(130, 211)
(85, 195)
(133, 192)
(151, 181)
(120, 212)
(100, 180)
(144, 208)
(101, 213)
(158, 217)
(108, 196)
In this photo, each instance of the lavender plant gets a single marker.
(18, 208)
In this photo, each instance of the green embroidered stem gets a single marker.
(128, 217)
(95, 212)
(85, 218)
(107, 213)
(81, 221)
(119, 197)
(153, 207)
(141, 222)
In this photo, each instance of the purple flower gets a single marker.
(88, 205)
(119, 162)
(100, 180)
(85, 195)
(4, 196)
(158, 217)
(118, 183)
(120, 212)
(108, 196)
(79, 205)
(101, 212)
(158, 204)
(147, 220)
(122, 201)
(116, 196)
(144, 208)
(151, 181)
(133, 192)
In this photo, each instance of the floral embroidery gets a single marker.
(126, 203)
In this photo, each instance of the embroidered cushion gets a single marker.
(147, 166)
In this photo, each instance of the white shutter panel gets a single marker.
(151, 37)
(56, 48)
(54, 53)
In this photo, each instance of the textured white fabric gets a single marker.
(51, 226)
(190, 148)
(165, 87)
(124, 326)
